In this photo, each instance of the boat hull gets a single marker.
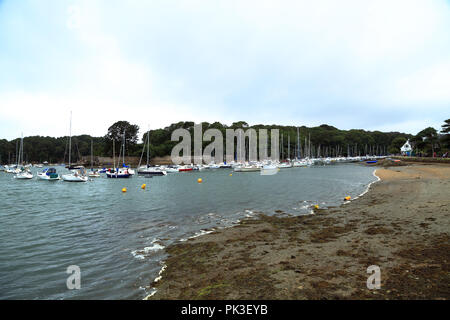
(72, 178)
(250, 169)
(47, 178)
(117, 176)
(24, 177)
(152, 173)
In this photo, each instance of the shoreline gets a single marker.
(401, 225)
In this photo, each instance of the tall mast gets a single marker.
(123, 156)
(21, 151)
(309, 147)
(70, 139)
(289, 147)
(306, 149)
(114, 155)
(17, 153)
(240, 146)
(148, 147)
(21, 159)
(92, 155)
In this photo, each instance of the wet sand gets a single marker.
(400, 225)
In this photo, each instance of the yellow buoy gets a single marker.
(143, 186)
(231, 174)
(199, 180)
(347, 198)
(124, 189)
(316, 206)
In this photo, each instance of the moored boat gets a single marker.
(94, 174)
(49, 175)
(171, 169)
(149, 170)
(24, 175)
(152, 171)
(118, 173)
(22, 172)
(184, 169)
(285, 165)
(77, 174)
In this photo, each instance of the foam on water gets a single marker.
(142, 254)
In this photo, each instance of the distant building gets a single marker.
(406, 149)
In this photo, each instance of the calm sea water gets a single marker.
(117, 239)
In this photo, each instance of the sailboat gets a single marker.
(124, 166)
(116, 173)
(93, 173)
(149, 170)
(78, 174)
(24, 173)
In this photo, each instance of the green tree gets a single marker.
(396, 144)
(445, 139)
(116, 131)
(427, 140)
(446, 126)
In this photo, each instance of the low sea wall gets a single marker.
(423, 159)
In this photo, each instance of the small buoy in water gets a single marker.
(347, 198)
(316, 206)
(199, 180)
(124, 189)
(143, 186)
(231, 174)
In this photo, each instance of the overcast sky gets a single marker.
(376, 65)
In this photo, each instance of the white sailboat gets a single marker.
(116, 173)
(24, 173)
(248, 167)
(300, 163)
(76, 175)
(148, 170)
(284, 165)
(269, 169)
(125, 168)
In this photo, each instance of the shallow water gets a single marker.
(117, 239)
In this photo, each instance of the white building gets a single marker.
(406, 149)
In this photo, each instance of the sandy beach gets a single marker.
(401, 225)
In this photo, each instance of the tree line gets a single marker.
(323, 140)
